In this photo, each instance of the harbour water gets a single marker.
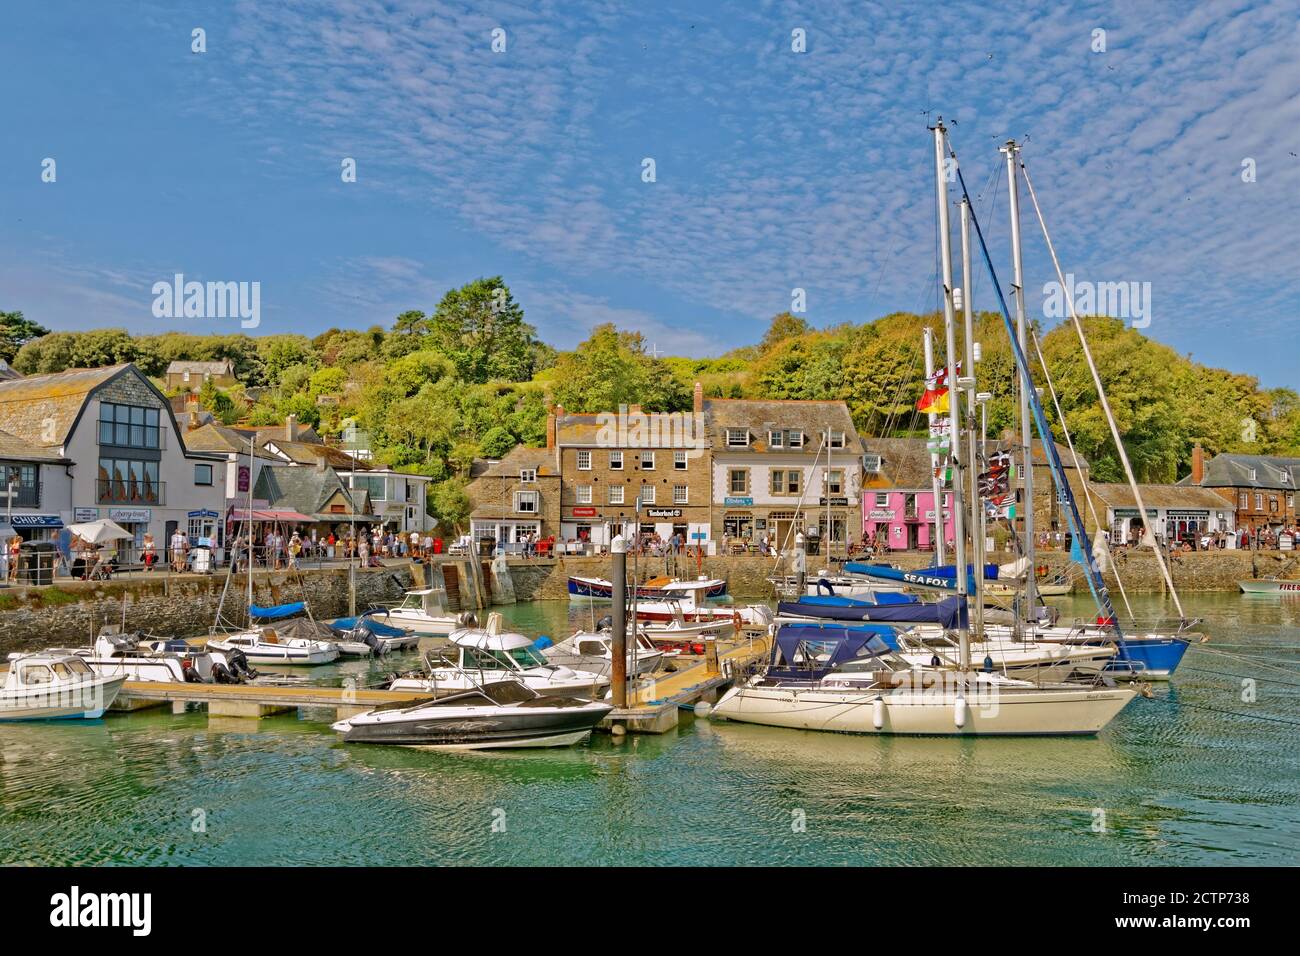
(1196, 776)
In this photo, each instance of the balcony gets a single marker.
(25, 494)
(129, 491)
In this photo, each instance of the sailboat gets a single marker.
(854, 682)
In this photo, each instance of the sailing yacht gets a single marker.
(851, 682)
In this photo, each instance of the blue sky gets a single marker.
(775, 170)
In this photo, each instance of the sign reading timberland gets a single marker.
(664, 512)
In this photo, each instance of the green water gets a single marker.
(1181, 779)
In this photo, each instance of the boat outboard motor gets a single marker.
(239, 670)
(468, 619)
(606, 623)
(222, 675)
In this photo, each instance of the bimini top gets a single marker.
(808, 653)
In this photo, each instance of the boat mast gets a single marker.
(248, 525)
(927, 339)
(954, 416)
(1011, 149)
(976, 505)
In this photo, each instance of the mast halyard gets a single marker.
(936, 491)
(972, 459)
(1011, 149)
(954, 410)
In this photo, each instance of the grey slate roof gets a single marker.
(760, 415)
(1249, 471)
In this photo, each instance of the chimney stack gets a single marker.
(291, 427)
(550, 430)
(1198, 464)
(699, 398)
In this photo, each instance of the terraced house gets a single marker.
(610, 460)
(1259, 488)
(784, 467)
(101, 443)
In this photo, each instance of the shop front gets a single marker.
(37, 527)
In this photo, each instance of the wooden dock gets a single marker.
(256, 700)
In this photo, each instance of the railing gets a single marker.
(128, 491)
(25, 495)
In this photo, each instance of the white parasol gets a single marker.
(97, 532)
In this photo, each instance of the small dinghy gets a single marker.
(592, 651)
(55, 685)
(373, 630)
(1269, 586)
(497, 715)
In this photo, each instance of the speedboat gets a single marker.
(371, 631)
(474, 656)
(54, 685)
(421, 612)
(495, 715)
(159, 659)
(593, 651)
(264, 645)
(679, 629)
(852, 682)
(583, 590)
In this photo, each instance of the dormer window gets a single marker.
(1254, 475)
(737, 437)
(837, 439)
(776, 439)
(528, 474)
(794, 439)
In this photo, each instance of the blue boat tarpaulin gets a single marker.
(280, 610)
(950, 612)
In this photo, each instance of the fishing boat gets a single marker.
(851, 682)
(54, 685)
(1269, 586)
(422, 612)
(490, 716)
(582, 589)
(593, 652)
(475, 656)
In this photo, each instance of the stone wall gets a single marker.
(69, 613)
(746, 576)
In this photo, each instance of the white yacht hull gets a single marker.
(423, 625)
(926, 712)
(1269, 586)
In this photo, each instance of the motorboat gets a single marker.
(495, 715)
(583, 589)
(1269, 586)
(263, 644)
(140, 658)
(851, 682)
(422, 612)
(55, 685)
(371, 630)
(593, 651)
(679, 629)
(757, 616)
(474, 656)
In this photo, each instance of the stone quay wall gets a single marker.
(69, 613)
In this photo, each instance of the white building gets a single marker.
(103, 443)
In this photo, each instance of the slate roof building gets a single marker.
(1260, 489)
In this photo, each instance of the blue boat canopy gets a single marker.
(808, 653)
(280, 610)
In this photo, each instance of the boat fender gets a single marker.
(988, 663)
(959, 712)
(542, 642)
(702, 708)
(935, 662)
(878, 712)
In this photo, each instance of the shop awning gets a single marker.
(242, 514)
(343, 519)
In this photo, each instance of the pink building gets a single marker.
(897, 502)
(903, 519)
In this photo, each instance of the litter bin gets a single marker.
(201, 561)
(437, 545)
(36, 562)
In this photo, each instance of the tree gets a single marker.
(449, 503)
(783, 326)
(613, 368)
(497, 442)
(481, 328)
(15, 332)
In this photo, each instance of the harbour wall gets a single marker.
(69, 613)
(747, 576)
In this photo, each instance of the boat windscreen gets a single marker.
(509, 692)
